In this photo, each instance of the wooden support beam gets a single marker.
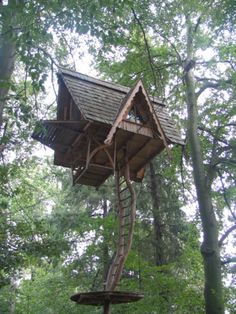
(106, 151)
(78, 139)
(95, 165)
(161, 147)
(56, 146)
(124, 143)
(63, 122)
(77, 177)
(136, 128)
(130, 157)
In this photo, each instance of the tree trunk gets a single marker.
(12, 299)
(107, 308)
(157, 224)
(210, 250)
(7, 54)
(105, 246)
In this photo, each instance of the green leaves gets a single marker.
(55, 234)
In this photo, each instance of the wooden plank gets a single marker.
(100, 166)
(55, 146)
(95, 171)
(92, 182)
(125, 107)
(136, 128)
(64, 122)
(147, 161)
(99, 82)
(101, 103)
(77, 140)
(87, 182)
(100, 297)
(91, 175)
(138, 150)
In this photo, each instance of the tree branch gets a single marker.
(212, 61)
(229, 260)
(146, 45)
(209, 131)
(225, 196)
(231, 162)
(179, 58)
(225, 235)
(197, 24)
(217, 84)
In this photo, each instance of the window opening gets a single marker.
(133, 116)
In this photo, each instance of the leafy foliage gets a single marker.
(56, 239)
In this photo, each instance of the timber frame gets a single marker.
(93, 128)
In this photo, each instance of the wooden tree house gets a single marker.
(101, 129)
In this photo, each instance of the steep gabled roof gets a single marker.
(101, 101)
(127, 105)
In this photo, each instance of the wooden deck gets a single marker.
(101, 297)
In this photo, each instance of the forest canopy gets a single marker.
(57, 239)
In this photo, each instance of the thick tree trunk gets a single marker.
(157, 224)
(210, 250)
(7, 55)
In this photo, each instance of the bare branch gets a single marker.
(212, 61)
(47, 54)
(224, 195)
(146, 45)
(69, 50)
(209, 131)
(197, 24)
(216, 84)
(179, 58)
(229, 260)
(231, 162)
(226, 234)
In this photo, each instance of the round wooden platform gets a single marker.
(102, 297)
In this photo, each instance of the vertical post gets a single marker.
(107, 308)
(105, 246)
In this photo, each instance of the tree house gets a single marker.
(101, 129)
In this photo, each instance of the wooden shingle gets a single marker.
(101, 125)
(100, 101)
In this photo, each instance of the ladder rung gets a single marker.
(120, 183)
(125, 199)
(127, 206)
(124, 189)
(124, 225)
(125, 216)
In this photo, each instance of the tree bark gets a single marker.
(105, 246)
(210, 250)
(107, 308)
(7, 54)
(155, 194)
(12, 299)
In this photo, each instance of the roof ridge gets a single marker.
(92, 79)
(111, 85)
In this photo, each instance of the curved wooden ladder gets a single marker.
(126, 198)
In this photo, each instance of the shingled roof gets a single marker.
(100, 101)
